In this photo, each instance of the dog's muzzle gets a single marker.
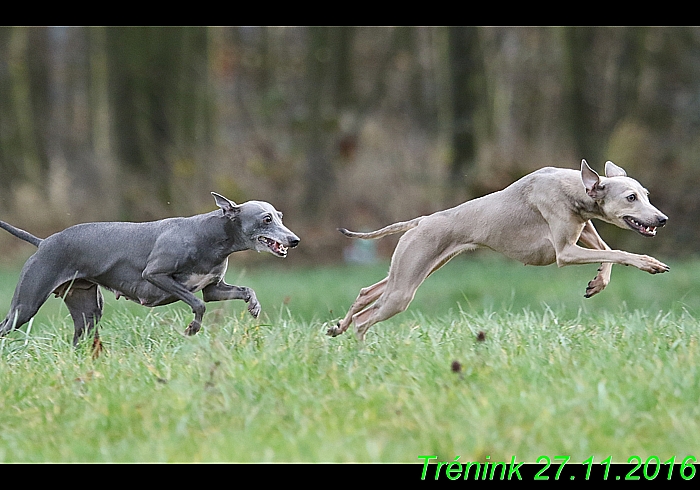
(645, 229)
(277, 248)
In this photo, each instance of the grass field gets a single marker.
(555, 374)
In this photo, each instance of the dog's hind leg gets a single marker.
(84, 301)
(16, 317)
(31, 292)
(413, 261)
(367, 296)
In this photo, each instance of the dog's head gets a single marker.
(622, 200)
(261, 225)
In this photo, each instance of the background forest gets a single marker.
(338, 126)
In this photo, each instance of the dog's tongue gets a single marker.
(274, 246)
(279, 248)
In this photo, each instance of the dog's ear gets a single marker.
(612, 170)
(591, 180)
(229, 207)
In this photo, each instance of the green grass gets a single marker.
(557, 374)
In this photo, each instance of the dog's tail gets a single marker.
(24, 235)
(387, 230)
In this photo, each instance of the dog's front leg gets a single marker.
(590, 238)
(222, 292)
(573, 254)
(564, 236)
(167, 283)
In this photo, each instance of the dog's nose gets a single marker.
(661, 220)
(293, 242)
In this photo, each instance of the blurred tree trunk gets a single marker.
(158, 89)
(602, 68)
(631, 62)
(10, 144)
(76, 181)
(103, 158)
(319, 175)
(329, 90)
(24, 107)
(465, 72)
(577, 45)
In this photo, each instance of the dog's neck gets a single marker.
(226, 236)
(585, 206)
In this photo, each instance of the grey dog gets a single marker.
(153, 263)
(537, 220)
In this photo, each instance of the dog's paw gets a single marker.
(334, 331)
(596, 285)
(193, 328)
(591, 290)
(653, 266)
(254, 308)
(253, 304)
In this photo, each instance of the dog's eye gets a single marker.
(267, 219)
(632, 197)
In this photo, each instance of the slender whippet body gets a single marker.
(153, 263)
(537, 220)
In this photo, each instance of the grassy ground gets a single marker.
(555, 374)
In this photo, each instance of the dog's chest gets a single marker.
(196, 281)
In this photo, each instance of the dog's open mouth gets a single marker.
(640, 228)
(273, 246)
